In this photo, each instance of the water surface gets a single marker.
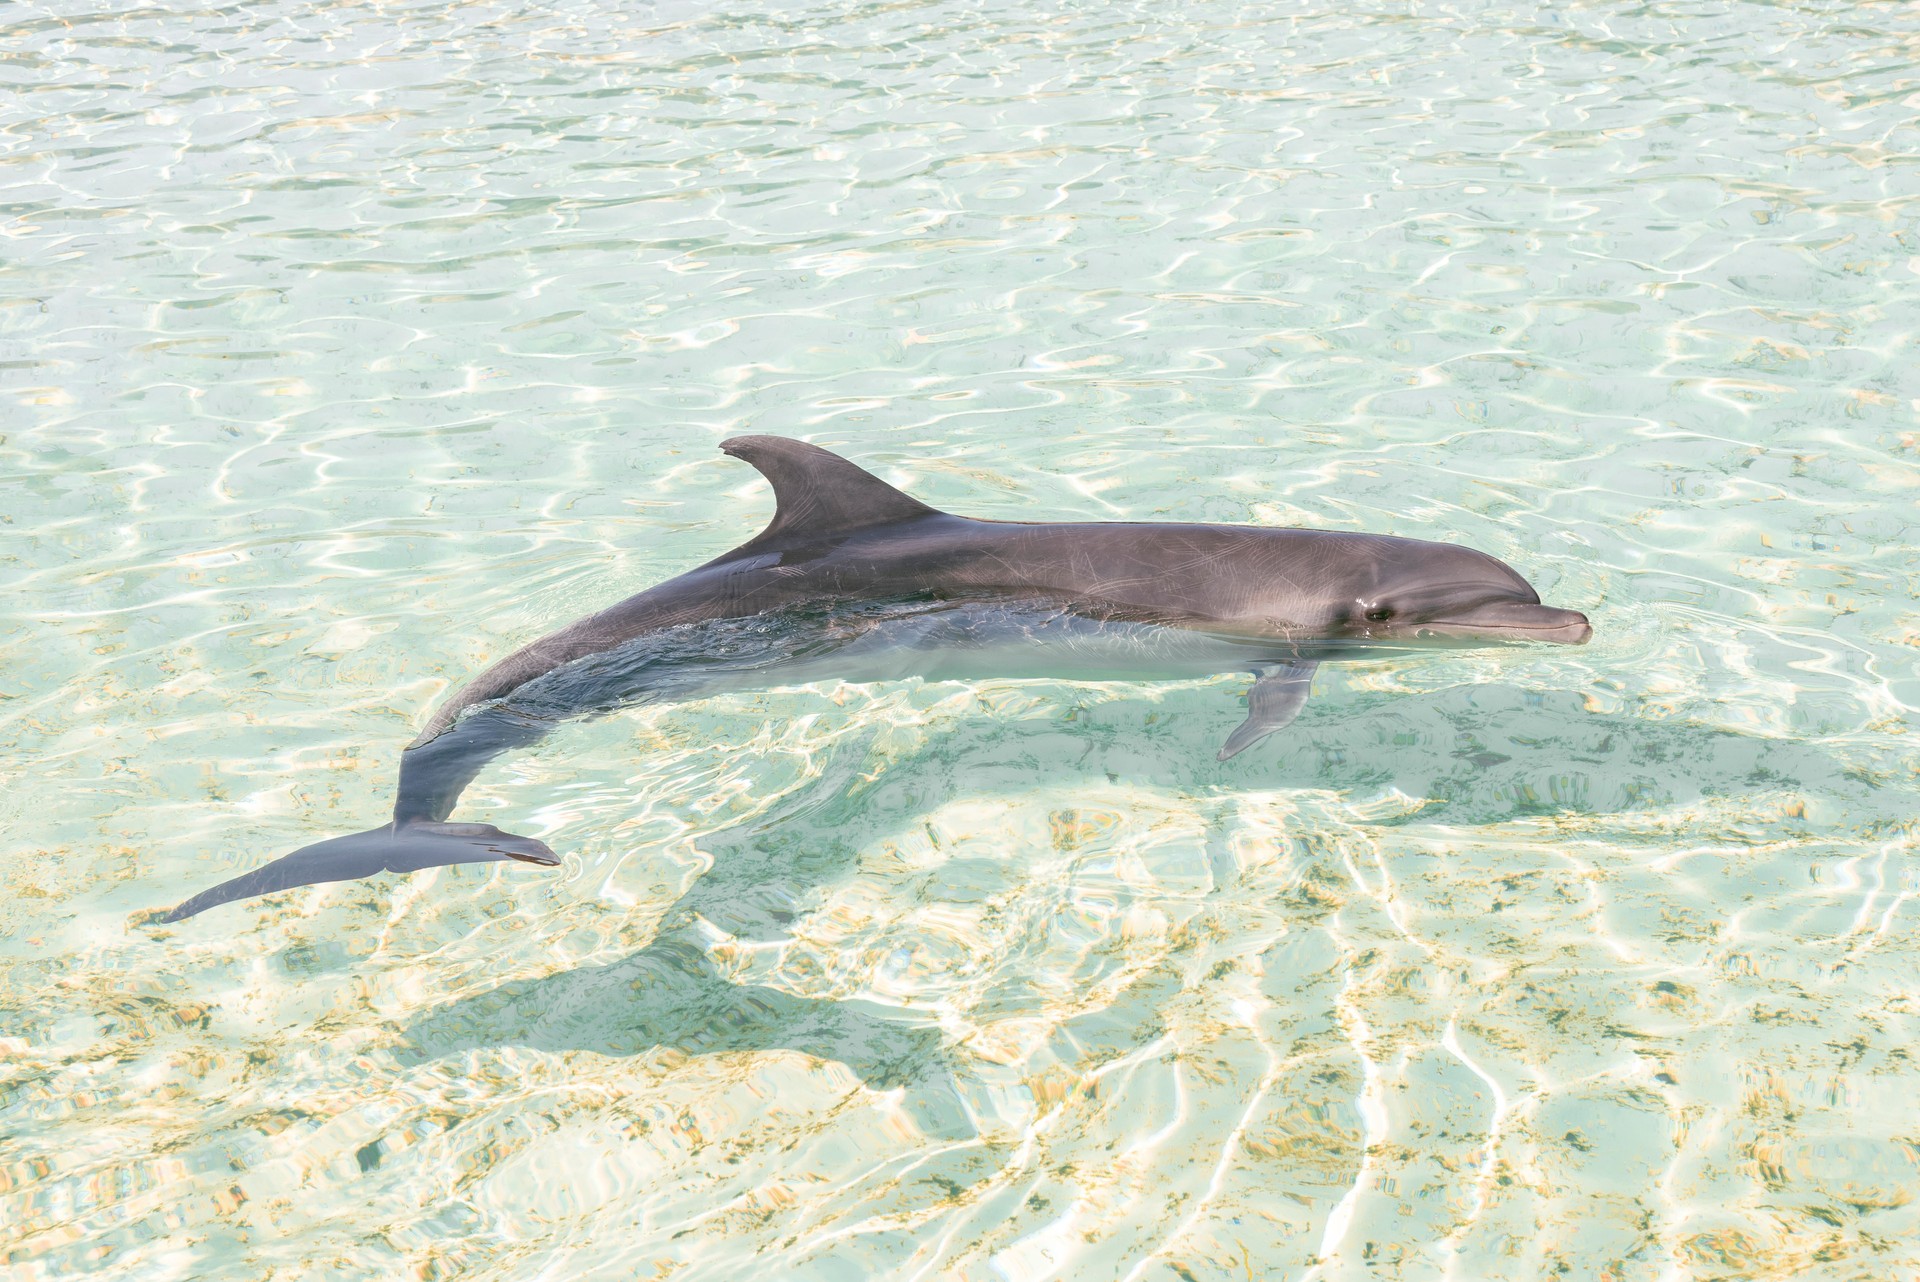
(348, 347)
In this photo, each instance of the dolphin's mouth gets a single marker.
(1513, 621)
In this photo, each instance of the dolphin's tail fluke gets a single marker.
(397, 847)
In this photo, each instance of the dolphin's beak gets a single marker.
(1514, 621)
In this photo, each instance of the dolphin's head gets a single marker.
(1441, 594)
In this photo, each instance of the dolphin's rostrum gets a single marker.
(854, 579)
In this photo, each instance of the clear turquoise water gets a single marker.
(348, 347)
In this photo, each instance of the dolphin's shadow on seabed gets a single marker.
(1490, 753)
(670, 995)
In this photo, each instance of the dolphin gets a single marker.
(856, 580)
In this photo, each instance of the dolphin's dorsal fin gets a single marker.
(817, 493)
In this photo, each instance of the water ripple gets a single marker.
(349, 346)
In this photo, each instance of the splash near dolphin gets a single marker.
(854, 579)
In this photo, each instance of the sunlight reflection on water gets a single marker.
(350, 347)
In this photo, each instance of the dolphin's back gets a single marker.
(1216, 578)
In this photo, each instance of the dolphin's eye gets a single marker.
(1379, 614)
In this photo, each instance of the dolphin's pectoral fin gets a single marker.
(1278, 694)
(399, 847)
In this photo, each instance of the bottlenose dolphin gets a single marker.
(856, 580)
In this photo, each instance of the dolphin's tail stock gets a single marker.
(397, 847)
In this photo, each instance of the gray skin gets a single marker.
(855, 580)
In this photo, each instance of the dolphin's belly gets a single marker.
(869, 642)
(893, 641)
(996, 641)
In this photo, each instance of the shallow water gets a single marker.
(348, 347)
